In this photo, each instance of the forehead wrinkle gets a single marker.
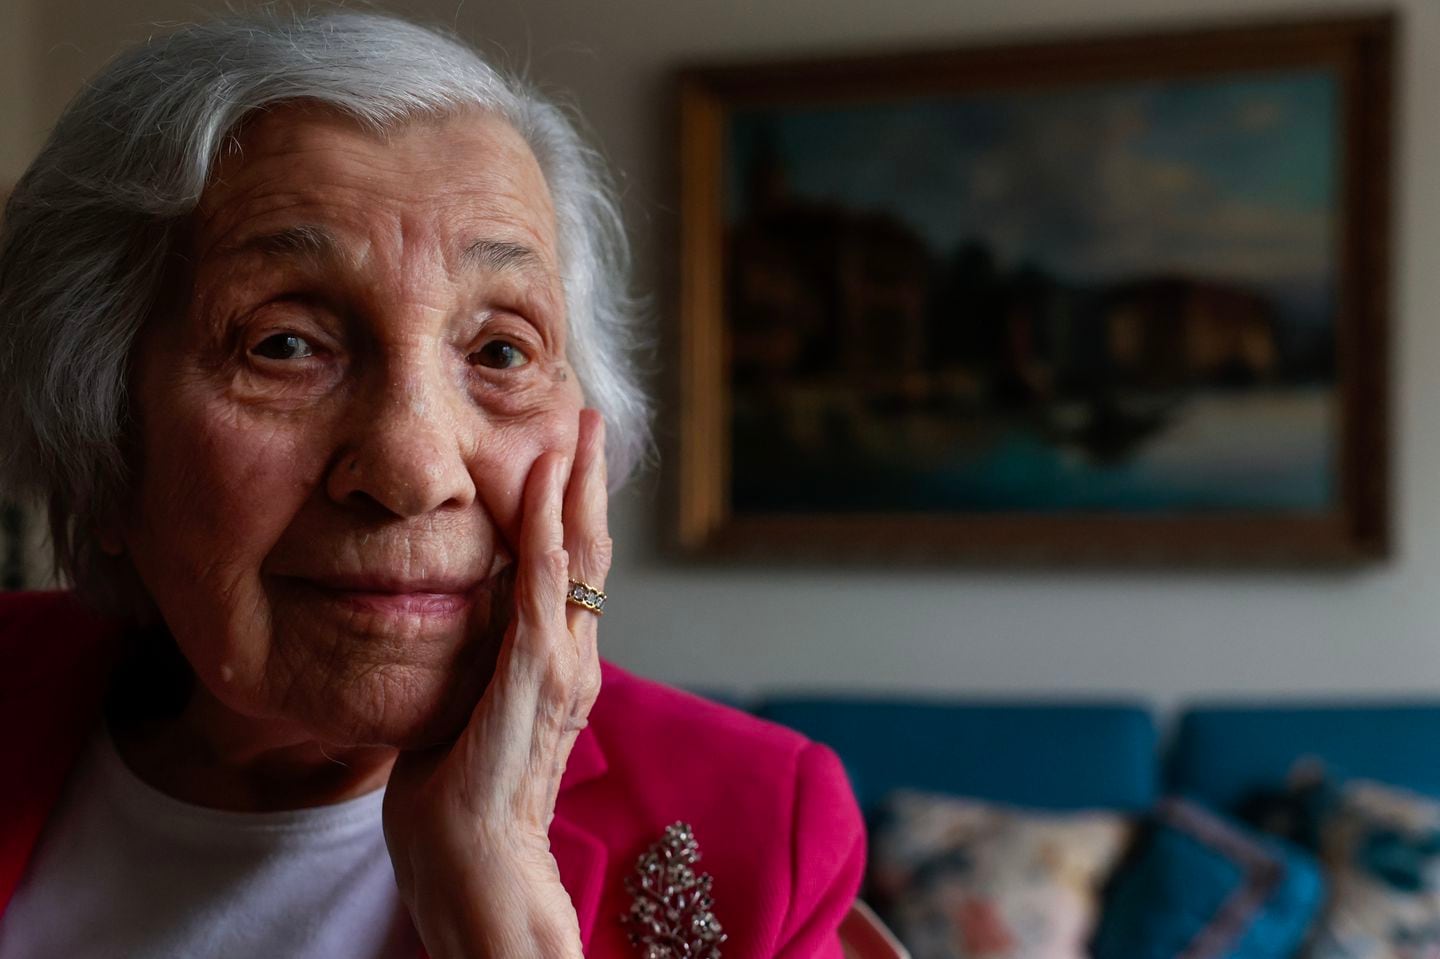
(283, 223)
(318, 194)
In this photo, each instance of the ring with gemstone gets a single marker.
(587, 596)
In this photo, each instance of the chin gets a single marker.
(377, 712)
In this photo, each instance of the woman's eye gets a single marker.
(500, 355)
(283, 346)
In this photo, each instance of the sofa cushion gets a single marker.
(961, 879)
(1043, 756)
(1380, 847)
(1203, 887)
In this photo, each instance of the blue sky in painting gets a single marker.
(1264, 141)
(1228, 178)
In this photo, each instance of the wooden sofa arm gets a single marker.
(864, 936)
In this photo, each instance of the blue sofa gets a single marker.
(1093, 754)
(1109, 755)
(1052, 756)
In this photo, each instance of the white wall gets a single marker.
(19, 45)
(1164, 635)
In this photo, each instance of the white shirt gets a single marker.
(125, 870)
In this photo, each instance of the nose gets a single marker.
(405, 456)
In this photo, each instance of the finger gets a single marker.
(587, 541)
(540, 581)
(563, 689)
(504, 733)
(586, 520)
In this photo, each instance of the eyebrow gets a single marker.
(498, 256)
(317, 243)
(299, 242)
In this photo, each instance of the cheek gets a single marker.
(217, 490)
(242, 478)
(500, 460)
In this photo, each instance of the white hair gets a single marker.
(91, 227)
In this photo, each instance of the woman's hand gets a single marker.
(467, 825)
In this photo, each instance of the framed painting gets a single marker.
(1121, 299)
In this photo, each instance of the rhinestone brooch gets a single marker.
(670, 915)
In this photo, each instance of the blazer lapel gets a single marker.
(582, 858)
(581, 855)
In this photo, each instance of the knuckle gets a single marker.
(553, 711)
(590, 687)
(549, 571)
(598, 555)
(562, 670)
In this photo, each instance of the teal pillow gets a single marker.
(1206, 887)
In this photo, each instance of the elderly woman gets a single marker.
(310, 337)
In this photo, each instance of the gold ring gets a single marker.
(586, 596)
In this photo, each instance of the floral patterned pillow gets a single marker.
(1381, 850)
(963, 879)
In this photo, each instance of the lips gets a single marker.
(382, 583)
(428, 597)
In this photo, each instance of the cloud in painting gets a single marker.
(1231, 180)
(1074, 187)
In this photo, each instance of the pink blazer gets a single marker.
(772, 812)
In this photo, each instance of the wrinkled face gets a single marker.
(336, 430)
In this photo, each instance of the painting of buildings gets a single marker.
(1117, 298)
